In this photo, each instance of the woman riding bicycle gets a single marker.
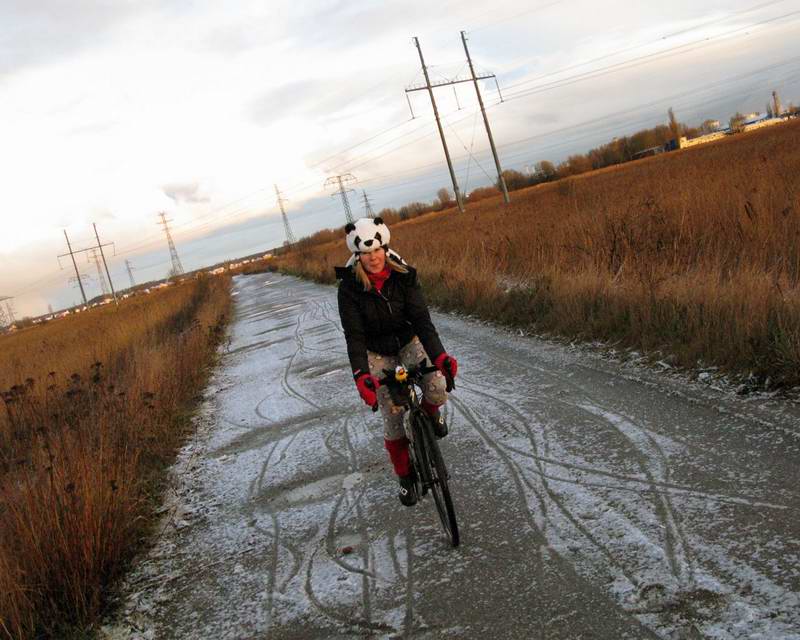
(386, 323)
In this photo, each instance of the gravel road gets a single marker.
(596, 499)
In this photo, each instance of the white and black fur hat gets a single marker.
(367, 234)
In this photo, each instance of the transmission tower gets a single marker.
(6, 317)
(346, 178)
(177, 267)
(368, 205)
(130, 272)
(100, 277)
(289, 235)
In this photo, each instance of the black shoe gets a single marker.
(408, 490)
(439, 425)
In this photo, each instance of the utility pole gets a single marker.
(105, 264)
(438, 124)
(341, 181)
(130, 273)
(500, 178)
(93, 257)
(368, 206)
(177, 267)
(71, 254)
(289, 235)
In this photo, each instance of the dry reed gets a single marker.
(693, 253)
(93, 412)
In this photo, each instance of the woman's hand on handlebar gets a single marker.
(367, 386)
(448, 365)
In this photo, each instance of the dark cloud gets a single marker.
(184, 193)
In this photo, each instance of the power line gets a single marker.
(637, 61)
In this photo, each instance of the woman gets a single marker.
(386, 322)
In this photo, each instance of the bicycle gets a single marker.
(426, 457)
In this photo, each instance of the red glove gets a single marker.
(444, 360)
(367, 386)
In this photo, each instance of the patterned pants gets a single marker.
(433, 385)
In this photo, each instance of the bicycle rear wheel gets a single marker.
(437, 476)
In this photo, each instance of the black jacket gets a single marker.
(385, 321)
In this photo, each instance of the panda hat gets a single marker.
(367, 234)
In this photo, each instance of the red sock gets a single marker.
(398, 454)
(430, 408)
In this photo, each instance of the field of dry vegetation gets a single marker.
(93, 409)
(692, 255)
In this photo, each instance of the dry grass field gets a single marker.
(93, 409)
(693, 255)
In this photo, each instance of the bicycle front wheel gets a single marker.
(437, 473)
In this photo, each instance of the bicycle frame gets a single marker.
(426, 458)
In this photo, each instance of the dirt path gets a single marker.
(595, 500)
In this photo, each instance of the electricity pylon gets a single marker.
(177, 267)
(341, 181)
(100, 277)
(289, 235)
(130, 272)
(368, 206)
(7, 314)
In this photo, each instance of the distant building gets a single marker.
(709, 137)
(652, 151)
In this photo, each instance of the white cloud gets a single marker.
(102, 104)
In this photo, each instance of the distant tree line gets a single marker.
(618, 151)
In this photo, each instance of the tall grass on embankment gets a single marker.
(695, 253)
(94, 407)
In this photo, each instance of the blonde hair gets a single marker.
(362, 276)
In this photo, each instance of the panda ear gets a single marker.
(378, 220)
(349, 227)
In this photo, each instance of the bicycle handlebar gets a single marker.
(414, 374)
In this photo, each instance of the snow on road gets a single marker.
(595, 500)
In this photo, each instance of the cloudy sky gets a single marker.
(114, 110)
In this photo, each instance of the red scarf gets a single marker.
(377, 279)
